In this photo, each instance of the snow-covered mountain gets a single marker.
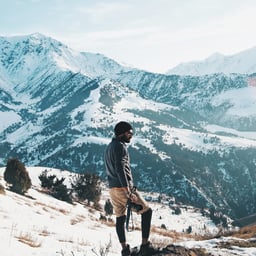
(40, 225)
(195, 137)
(239, 63)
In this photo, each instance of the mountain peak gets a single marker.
(35, 53)
(215, 56)
(37, 35)
(243, 62)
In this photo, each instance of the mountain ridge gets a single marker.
(240, 63)
(191, 140)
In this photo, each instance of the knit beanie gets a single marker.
(122, 127)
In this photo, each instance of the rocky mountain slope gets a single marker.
(195, 137)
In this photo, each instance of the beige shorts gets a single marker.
(119, 199)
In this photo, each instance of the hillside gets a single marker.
(195, 136)
(38, 224)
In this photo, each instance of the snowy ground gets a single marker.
(40, 225)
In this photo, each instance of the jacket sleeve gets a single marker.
(120, 162)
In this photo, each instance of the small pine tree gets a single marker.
(87, 187)
(177, 211)
(189, 230)
(60, 191)
(17, 175)
(47, 181)
(55, 186)
(163, 226)
(108, 207)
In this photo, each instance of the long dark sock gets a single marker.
(120, 229)
(146, 223)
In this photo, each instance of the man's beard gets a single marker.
(125, 139)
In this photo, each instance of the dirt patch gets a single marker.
(238, 243)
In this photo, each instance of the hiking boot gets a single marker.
(126, 251)
(147, 249)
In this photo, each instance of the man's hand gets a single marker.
(133, 198)
(131, 195)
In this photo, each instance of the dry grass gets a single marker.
(243, 238)
(246, 232)
(108, 222)
(71, 240)
(44, 232)
(83, 242)
(77, 219)
(238, 243)
(176, 236)
(29, 240)
(66, 240)
(104, 249)
(47, 208)
(2, 190)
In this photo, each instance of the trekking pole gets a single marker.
(132, 221)
(128, 214)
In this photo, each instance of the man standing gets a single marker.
(121, 188)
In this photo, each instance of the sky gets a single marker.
(153, 35)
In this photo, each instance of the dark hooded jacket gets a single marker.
(117, 162)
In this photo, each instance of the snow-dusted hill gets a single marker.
(37, 224)
(240, 63)
(194, 136)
